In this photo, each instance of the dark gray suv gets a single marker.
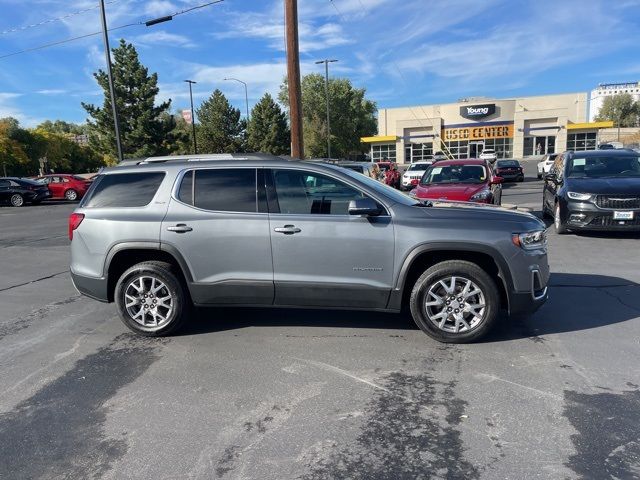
(163, 234)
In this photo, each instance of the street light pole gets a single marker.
(326, 91)
(246, 95)
(193, 117)
(112, 90)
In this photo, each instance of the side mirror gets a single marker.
(497, 180)
(364, 206)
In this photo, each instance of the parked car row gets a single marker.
(20, 191)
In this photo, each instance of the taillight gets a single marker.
(75, 219)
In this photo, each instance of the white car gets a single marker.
(414, 172)
(489, 154)
(545, 164)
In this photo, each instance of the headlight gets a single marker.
(483, 195)
(579, 196)
(530, 240)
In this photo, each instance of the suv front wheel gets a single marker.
(455, 302)
(151, 299)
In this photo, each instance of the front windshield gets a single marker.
(389, 192)
(604, 166)
(418, 166)
(454, 174)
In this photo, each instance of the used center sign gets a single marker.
(476, 112)
(478, 133)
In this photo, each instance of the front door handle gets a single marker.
(287, 229)
(180, 228)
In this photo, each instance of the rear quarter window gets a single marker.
(124, 190)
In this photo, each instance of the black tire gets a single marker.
(463, 270)
(559, 225)
(71, 195)
(539, 176)
(16, 200)
(521, 179)
(173, 286)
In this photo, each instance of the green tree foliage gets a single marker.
(621, 109)
(220, 129)
(21, 150)
(351, 115)
(62, 127)
(145, 130)
(267, 130)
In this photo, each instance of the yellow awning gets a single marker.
(379, 138)
(581, 126)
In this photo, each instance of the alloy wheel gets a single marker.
(71, 195)
(17, 200)
(455, 304)
(148, 302)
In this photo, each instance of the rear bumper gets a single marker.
(96, 288)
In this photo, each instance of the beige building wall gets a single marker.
(540, 116)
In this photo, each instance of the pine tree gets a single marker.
(220, 129)
(145, 128)
(267, 130)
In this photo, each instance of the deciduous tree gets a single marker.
(621, 109)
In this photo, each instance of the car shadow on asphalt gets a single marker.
(577, 302)
(557, 316)
(215, 319)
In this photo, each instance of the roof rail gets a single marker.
(199, 158)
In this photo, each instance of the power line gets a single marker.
(80, 37)
(52, 20)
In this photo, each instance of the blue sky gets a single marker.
(405, 52)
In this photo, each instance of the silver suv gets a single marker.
(163, 234)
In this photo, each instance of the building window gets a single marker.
(420, 151)
(502, 146)
(539, 145)
(458, 149)
(582, 141)
(381, 151)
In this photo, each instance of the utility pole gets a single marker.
(293, 75)
(326, 92)
(112, 90)
(193, 117)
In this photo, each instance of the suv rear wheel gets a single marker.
(455, 302)
(151, 299)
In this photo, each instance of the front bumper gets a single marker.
(525, 303)
(587, 216)
(96, 288)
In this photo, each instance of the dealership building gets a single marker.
(515, 127)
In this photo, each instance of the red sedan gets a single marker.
(460, 180)
(68, 187)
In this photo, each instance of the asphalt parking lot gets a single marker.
(274, 394)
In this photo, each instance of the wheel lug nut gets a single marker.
(456, 311)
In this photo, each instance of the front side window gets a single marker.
(299, 192)
(5, 183)
(220, 189)
(124, 190)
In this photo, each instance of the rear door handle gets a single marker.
(287, 229)
(180, 228)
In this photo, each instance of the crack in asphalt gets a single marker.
(59, 431)
(33, 281)
(24, 322)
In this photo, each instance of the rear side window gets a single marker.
(220, 189)
(124, 190)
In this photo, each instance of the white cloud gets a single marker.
(161, 37)
(9, 109)
(159, 8)
(51, 91)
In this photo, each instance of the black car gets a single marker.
(18, 191)
(509, 169)
(594, 190)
